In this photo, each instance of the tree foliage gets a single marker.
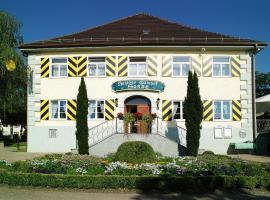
(81, 119)
(13, 84)
(262, 83)
(193, 112)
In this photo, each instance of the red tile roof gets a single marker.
(141, 30)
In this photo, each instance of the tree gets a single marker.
(262, 84)
(193, 112)
(13, 82)
(81, 119)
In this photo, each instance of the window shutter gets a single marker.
(72, 66)
(152, 62)
(166, 66)
(196, 64)
(82, 66)
(207, 66)
(167, 110)
(207, 110)
(71, 109)
(122, 66)
(44, 109)
(45, 67)
(109, 109)
(235, 66)
(236, 110)
(111, 65)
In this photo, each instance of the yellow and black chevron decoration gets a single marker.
(44, 109)
(109, 109)
(72, 66)
(82, 66)
(71, 109)
(235, 66)
(45, 67)
(122, 66)
(207, 110)
(152, 63)
(236, 110)
(207, 66)
(166, 110)
(166, 66)
(110, 65)
(196, 64)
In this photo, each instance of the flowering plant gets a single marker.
(120, 115)
(138, 115)
(154, 115)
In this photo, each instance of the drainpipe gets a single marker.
(254, 124)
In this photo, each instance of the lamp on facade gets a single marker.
(157, 102)
(116, 102)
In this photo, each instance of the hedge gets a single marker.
(160, 183)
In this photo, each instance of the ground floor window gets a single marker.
(178, 110)
(222, 110)
(58, 109)
(96, 109)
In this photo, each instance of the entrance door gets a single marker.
(144, 109)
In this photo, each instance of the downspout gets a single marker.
(253, 85)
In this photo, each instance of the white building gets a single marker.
(140, 64)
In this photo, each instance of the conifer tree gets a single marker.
(193, 111)
(81, 119)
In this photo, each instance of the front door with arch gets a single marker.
(139, 105)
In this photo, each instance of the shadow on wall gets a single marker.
(173, 133)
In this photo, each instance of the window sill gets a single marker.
(222, 76)
(96, 76)
(58, 77)
(179, 76)
(222, 120)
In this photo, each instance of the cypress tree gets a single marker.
(81, 119)
(193, 112)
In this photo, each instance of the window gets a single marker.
(221, 66)
(137, 66)
(52, 133)
(180, 66)
(218, 132)
(228, 132)
(96, 109)
(58, 109)
(96, 66)
(178, 110)
(222, 110)
(59, 67)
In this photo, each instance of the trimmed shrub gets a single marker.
(208, 153)
(135, 152)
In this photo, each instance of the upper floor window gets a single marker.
(58, 109)
(96, 109)
(222, 110)
(180, 66)
(221, 66)
(59, 67)
(178, 110)
(137, 66)
(96, 66)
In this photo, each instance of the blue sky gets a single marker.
(50, 18)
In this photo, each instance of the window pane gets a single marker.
(92, 70)
(63, 70)
(100, 109)
(181, 59)
(176, 110)
(54, 109)
(217, 110)
(185, 69)
(221, 59)
(55, 70)
(176, 70)
(101, 70)
(62, 109)
(225, 69)
(216, 69)
(92, 109)
(226, 109)
(59, 60)
(142, 69)
(132, 69)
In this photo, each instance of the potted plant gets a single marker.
(120, 116)
(138, 115)
(129, 119)
(147, 121)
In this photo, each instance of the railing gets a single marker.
(263, 126)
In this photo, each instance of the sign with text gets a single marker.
(144, 85)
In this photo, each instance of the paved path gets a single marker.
(264, 159)
(24, 193)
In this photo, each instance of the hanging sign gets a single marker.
(144, 85)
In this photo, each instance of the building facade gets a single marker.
(140, 64)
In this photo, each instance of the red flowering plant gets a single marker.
(120, 115)
(138, 115)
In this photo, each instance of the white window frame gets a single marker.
(181, 110)
(228, 128)
(58, 117)
(181, 66)
(220, 66)
(96, 64)
(218, 128)
(137, 63)
(222, 118)
(58, 65)
(96, 100)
